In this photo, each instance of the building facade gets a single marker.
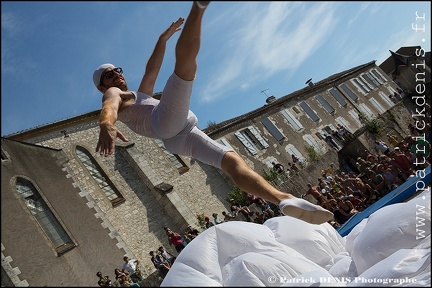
(66, 207)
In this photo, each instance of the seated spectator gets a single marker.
(346, 181)
(335, 186)
(176, 240)
(346, 208)
(251, 199)
(338, 216)
(391, 178)
(158, 263)
(217, 220)
(207, 222)
(367, 191)
(355, 192)
(327, 178)
(330, 170)
(378, 183)
(326, 205)
(279, 168)
(124, 281)
(324, 187)
(259, 218)
(329, 195)
(393, 140)
(372, 158)
(166, 256)
(131, 266)
(265, 208)
(118, 273)
(227, 216)
(420, 147)
(104, 281)
(401, 161)
(357, 202)
(191, 232)
(382, 147)
(337, 137)
(244, 210)
(293, 167)
(294, 159)
(314, 192)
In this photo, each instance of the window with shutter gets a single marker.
(386, 99)
(350, 93)
(290, 149)
(321, 134)
(325, 104)
(390, 89)
(309, 111)
(366, 82)
(258, 137)
(344, 123)
(372, 78)
(377, 105)
(271, 127)
(292, 120)
(359, 86)
(251, 139)
(378, 74)
(355, 116)
(338, 97)
(366, 111)
(310, 140)
(377, 79)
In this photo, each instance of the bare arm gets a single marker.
(111, 103)
(155, 61)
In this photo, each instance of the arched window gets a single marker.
(99, 176)
(41, 212)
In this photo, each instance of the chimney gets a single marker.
(270, 99)
(309, 82)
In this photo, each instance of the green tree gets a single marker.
(238, 195)
(312, 154)
(374, 126)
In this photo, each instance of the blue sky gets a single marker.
(50, 50)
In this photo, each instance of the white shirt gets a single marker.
(381, 146)
(130, 266)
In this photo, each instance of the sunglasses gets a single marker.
(110, 74)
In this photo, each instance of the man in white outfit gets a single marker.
(171, 120)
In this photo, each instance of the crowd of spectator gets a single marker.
(368, 178)
(162, 259)
(263, 210)
(129, 276)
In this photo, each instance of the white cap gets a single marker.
(97, 74)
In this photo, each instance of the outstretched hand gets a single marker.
(107, 137)
(174, 27)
